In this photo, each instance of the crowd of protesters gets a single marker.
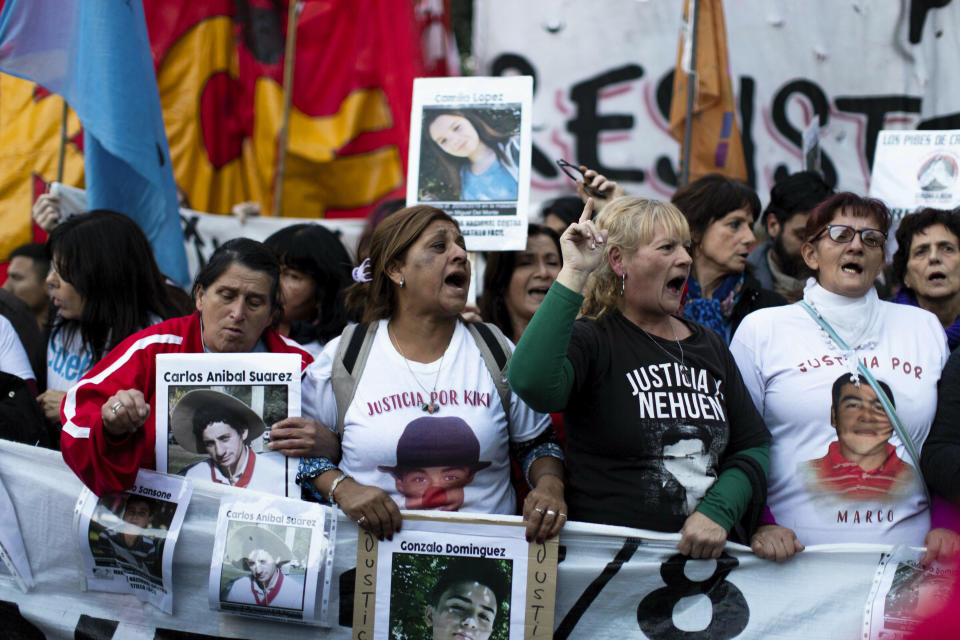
(698, 382)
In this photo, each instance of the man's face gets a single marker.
(465, 611)
(137, 513)
(434, 487)
(25, 282)
(262, 565)
(787, 240)
(225, 445)
(863, 427)
(688, 462)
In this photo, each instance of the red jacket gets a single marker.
(108, 465)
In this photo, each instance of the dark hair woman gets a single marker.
(476, 161)
(104, 285)
(424, 428)
(863, 453)
(720, 291)
(108, 416)
(926, 265)
(315, 272)
(515, 282)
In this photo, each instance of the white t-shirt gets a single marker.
(67, 361)
(13, 357)
(790, 367)
(455, 459)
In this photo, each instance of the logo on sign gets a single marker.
(937, 173)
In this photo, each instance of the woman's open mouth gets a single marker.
(675, 286)
(538, 293)
(457, 280)
(852, 268)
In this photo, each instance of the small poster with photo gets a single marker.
(126, 540)
(811, 146)
(14, 565)
(273, 558)
(455, 576)
(214, 413)
(904, 593)
(470, 149)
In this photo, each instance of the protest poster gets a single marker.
(214, 413)
(470, 156)
(445, 575)
(913, 170)
(14, 564)
(126, 540)
(272, 558)
(810, 147)
(904, 593)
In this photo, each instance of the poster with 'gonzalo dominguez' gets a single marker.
(214, 415)
(470, 156)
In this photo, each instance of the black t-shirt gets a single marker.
(645, 436)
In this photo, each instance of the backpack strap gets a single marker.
(348, 364)
(495, 350)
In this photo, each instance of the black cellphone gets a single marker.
(566, 166)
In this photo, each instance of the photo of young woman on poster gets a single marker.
(470, 154)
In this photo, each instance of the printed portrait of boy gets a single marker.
(436, 458)
(860, 464)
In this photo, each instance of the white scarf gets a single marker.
(856, 320)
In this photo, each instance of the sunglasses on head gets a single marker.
(844, 234)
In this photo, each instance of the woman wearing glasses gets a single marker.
(836, 458)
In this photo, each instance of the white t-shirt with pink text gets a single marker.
(389, 400)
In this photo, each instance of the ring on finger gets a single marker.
(116, 407)
(538, 510)
(361, 519)
(562, 515)
(551, 512)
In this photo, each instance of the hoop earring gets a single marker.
(401, 283)
(623, 284)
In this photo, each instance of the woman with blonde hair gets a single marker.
(661, 431)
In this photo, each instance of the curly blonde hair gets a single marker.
(631, 222)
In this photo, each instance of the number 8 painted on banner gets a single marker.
(655, 611)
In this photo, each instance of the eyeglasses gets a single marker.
(844, 234)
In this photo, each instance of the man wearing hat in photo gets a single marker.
(216, 423)
(262, 553)
(436, 458)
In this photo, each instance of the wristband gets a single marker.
(336, 483)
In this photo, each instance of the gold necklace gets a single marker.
(428, 406)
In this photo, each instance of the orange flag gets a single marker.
(716, 146)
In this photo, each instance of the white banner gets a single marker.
(204, 232)
(602, 81)
(612, 582)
